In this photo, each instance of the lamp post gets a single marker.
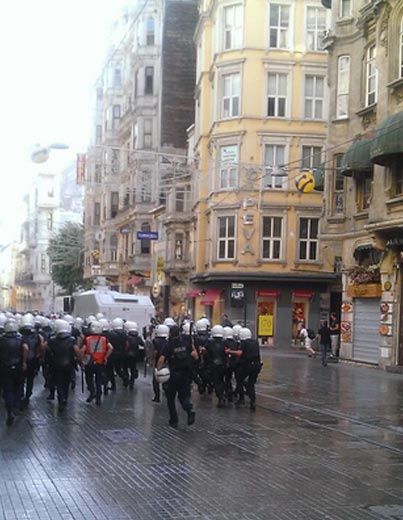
(41, 153)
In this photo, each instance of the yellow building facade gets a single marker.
(260, 121)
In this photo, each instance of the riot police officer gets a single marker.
(134, 349)
(64, 351)
(159, 344)
(179, 357)
(216, 358)
(13, 363)
(250, 363)
(232, 363)
(117, 337)
(204, 373)
(34, 340)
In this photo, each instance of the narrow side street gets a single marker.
(324, 443)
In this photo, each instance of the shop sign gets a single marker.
(272, 293)
(237, 297)
(365, 290)
(237, 286)
(265, 327)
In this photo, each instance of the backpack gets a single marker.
(311, 334)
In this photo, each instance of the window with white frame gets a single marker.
(148, 133)
(401, 49)
(277, 94)
(150, 31)
(345, 8)
(315, 27)
(231, 90)
(228, 168)
(343, 86)
(314, 96)
(113, 249)
(272, 238)
(279, 26)
(308, 239)
(274, 160)
(371, 87)
(311, 157)
(226, 238)
(232, 26)
(115, 116)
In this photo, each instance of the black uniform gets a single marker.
(159, 345)
(217, 360)
(116, 361)
(133, 354)
(232, 368)
(11, 371)
(178, 355)
(62, 356)
(250, 367)
(205, 378)
(33, 339)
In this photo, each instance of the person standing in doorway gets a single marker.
(324, 341)
(334, 327)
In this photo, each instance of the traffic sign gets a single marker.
(147, 235)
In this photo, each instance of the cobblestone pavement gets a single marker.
(324, 443)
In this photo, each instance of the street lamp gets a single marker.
(41, 153)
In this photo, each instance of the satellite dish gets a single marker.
(99, 235)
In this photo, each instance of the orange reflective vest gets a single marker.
(96, 347)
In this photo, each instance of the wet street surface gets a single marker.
(324, 443)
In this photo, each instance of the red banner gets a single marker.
(80, 168)
(273, 293)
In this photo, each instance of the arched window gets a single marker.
(113, 242)
(150, 35)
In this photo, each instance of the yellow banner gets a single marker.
(265, 326)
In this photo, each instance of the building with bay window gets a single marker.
(260, 120)
(362, 225)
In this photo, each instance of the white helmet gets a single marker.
(105, 324)
(186, 329)
(169, 322)
(18, 317)
(235, 330)
(162, 331)
(62, 327)
(96, 327)
(99, 316)
(245, 333)
(78, 323)
(206, 321)
(11, 325)
(38, 320)
(3, 320)
(162, 375)
(131, 326)
(201, 325)
(27, 321)
(117, 324)
(45, 322)
(69, 318)
(228, 333)
(217, 331)
(90, 319)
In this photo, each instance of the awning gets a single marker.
(303, 294)
(210, 297)
(387, 144)
(193, 293)
(273, 293)
(136, 280)
(319, 176)
(357, 158)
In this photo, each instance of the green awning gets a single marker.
(357, 158)
(387, 144)
(319, 176)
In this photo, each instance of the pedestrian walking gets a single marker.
(13, 364)
(307, 336)
(324, 334)
(96, 351)
(334, 327)
(179, 357)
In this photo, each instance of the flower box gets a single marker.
(365, 290)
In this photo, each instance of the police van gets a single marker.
(113, 304)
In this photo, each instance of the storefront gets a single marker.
(266, 300)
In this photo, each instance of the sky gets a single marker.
(51, 52)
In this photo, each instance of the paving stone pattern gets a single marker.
(324, 444)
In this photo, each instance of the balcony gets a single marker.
(139, 263)
(24, 277)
